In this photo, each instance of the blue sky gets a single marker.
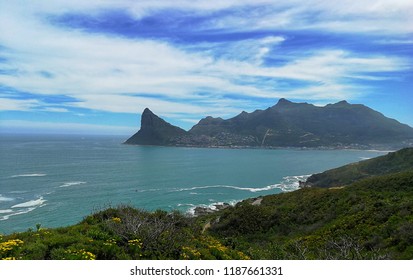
(93, 66)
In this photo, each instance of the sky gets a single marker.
(92, 67)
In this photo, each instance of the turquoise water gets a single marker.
(58, 180)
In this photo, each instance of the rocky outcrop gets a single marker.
(155, 131)
(200, 211)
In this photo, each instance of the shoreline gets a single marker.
(386, 149)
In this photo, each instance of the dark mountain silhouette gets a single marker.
(286, 124)
(154, 131)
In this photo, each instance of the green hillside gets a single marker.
(371, 219)
(399, 161)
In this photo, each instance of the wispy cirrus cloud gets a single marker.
(187, 59)
(10, 104)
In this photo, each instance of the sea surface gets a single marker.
(57, 180)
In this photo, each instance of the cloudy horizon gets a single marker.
(75, 66)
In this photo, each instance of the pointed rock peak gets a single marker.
(149, 119)
(283, 101)
(147, 111)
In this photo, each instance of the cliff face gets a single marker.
(286, 124)
(154, 131)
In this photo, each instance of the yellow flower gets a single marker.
(190, 253)
(81, 254)
(10, 245)
(243, 256)
(9, 259)
(110, 242)
(135, 242)
(116, 220)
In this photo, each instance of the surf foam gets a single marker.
(21, 212)
(31, 203)
(289, 183)
(3, 198)
(29, 175)
(70, 184)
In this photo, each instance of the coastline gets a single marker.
(368, 148)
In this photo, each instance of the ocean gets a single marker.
(57, 180)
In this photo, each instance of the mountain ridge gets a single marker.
(286, 124)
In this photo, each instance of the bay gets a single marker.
(57, 180)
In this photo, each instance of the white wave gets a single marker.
(185, 204)
(29, 175)
(3, 198)
(227, 187)
(364, 158)
(69, 184)
(31, 203)
(381, 151)
(213, 206)
(288, 183)
(285, 185)
(21, 212)
(6, 211)
(148, 190)
(292, 183)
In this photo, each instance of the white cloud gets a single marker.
(103, 72)
(381, 17)
(7, 104)
(56, 110)
(63, 128)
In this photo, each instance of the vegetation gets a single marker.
(371, 218)
(399, 161)
(119, 233)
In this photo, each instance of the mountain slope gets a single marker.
(154, 131)
(370, 219)
(303, 124)
(286, 124)
(399, 161)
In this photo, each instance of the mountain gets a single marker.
(399, 161)
(154, 131)
(286, 124)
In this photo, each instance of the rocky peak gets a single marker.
(342, 103)
(149, 119)
(210, 120)
(155, 131)
(283, 102)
